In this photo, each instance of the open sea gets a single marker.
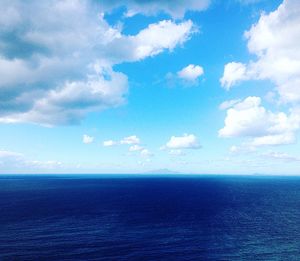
(105, 217)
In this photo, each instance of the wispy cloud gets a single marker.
(176, 9)
(14, 162)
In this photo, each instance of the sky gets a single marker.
(133, 86)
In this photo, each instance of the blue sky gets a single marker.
(135, 86)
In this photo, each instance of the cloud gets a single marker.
(191, 72)
(146, 153)
(187, 76)
(142, 151)
(236, 149)
(280, 156)
(157, 37)
(45, 165)
(274, 40)
(249, 119)
(14, 162)
(134, 141)
(86, 139)
(176, 152)
(69, 103)
(109, 143)
(130, 140)
(10, 154)
(227, 104)
(136, 148)
(57, 58)
(244, 148)
(175, 8)
(233, 73)
(187, 141)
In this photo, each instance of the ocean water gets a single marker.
(149, 218)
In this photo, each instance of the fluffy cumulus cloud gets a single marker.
(249, 118)
(233, 72)
(191, 72)
(187, 141)
(175, 8)
(57, 58)
(86, 139)
(187, 76)
(274, 40)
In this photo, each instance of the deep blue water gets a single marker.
(149, 218)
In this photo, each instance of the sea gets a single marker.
(149, 217)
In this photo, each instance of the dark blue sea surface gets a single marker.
(149, 218)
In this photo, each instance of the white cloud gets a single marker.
(146, 153)
(187, 76)
(175, 8)
(143, 152)
(10, 154)
(14, 162)
(109, 143)
(157, 37)
(271, 97)
(280, 156)
(233, 73)
(244, 148)
(130, 140)
(136, 148)
(249, 119)
(191, 72)
(86, 139)
(69, 103)
(234, 149)
(274, 39)
(227, 104)
(187, 141)
(275, 139)
(45, 165)
(176, 152)
(65, 69)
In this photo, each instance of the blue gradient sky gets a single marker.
(78, 74)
